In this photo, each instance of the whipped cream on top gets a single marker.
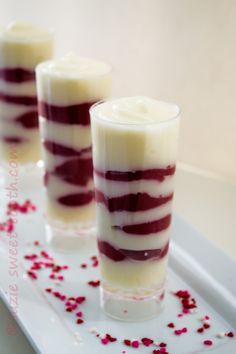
(72, 65)
(136, 110)
(24, 31)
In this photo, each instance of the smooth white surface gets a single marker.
(224, 294)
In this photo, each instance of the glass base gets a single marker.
(135, 308)
(71, 237)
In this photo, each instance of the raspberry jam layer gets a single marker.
(157, 174)
(13, 140)
(73, 114)
(62, 150)
(146, 228)
(121, 254)
(78, 171)
(17, 75)
(28, 120)
(132, 202)
(20, 100)
(78, 199)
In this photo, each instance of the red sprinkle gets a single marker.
(79, 321)
(110, 338)
(208, 342)
(48, 290)
(127, 342)
(80, 299)
(79, 314)
(94, 283)
(36, 243)
(105, 341)
(83, 265)
(162, 345)
(135, 344)
(171, 325)
(146, 341)
(206, 325)
(32, 275)
(200, 330)
(230, 334)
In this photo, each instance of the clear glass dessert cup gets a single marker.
(134, 156)
(22, 47)
(67, 88)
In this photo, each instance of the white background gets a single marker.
(182, 51)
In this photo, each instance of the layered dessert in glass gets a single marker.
(134, 155)
(22, 47)
(67, 88)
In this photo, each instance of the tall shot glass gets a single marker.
(22, 47)
(134, 155)
(67, 88)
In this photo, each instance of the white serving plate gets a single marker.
(195, 265)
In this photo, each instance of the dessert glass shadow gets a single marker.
(134, 155)
(22, 47)
(67, 88)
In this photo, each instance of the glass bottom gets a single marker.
(131, 308)
(70, 237)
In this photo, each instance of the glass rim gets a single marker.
(172, 118)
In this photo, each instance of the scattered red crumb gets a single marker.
(94, 283)
(48, 290)
(104, 340)
(83, 265)
(206, 325)
(32, 275)
(95, 261)
(163, 350)
(36, 243)
(230, 334)
(187, 301)
(110, 338)
(162, 345)
(79, 314)
(24, 208)
(208, 342)
(135, 343)
(30, 257)
(146, 341)
(180, 315)
(178, 332)
(171, 325)
(45, 254)
(127, 342)
(80, 299)
(79, 321)
(60, 277)
(69, 309)
(160, 351)
(200, 330)
(206, 317)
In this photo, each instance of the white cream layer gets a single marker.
(73, 80)
(23, 45)
(57, 188)
(134, 133)
(18, 89)
(117, 188)
(66, 214)
(74, 136)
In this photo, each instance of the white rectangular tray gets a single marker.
(195, 265)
